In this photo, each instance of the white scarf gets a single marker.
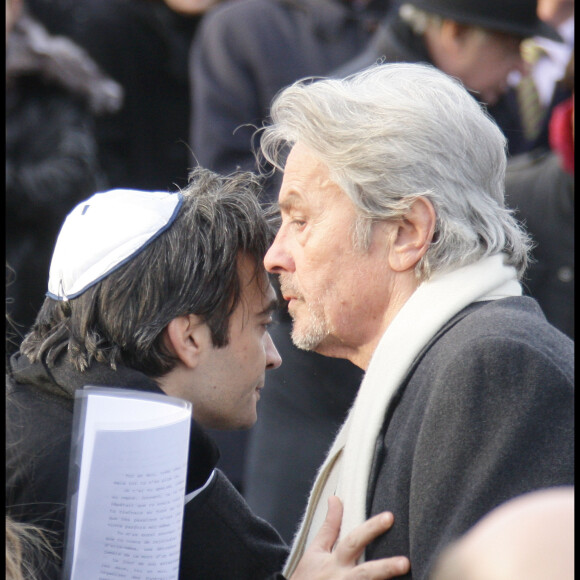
(346, 470)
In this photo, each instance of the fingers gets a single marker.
(321, 562)
(380, 569)
(328, 533)
(353, 544)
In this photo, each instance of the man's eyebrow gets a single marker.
(290, 201)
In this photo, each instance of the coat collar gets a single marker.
(63, 379)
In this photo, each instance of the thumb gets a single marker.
(328, 533)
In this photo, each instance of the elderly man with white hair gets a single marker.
(396, 251)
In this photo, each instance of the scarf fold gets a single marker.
(346, 469)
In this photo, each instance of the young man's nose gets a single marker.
(273, 359)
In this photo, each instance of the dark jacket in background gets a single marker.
(542, 194)
(486, 413)
(221, 537)
(395, 41)
(53, 93)
(247, 50)
(144, 45)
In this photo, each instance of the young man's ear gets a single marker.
(413, 236)
(187, 337)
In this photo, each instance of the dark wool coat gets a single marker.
(221, 537)
(395, 41)
(486, 413)
(542, 194)
(246, 51)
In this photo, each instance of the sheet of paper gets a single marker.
(130, 498)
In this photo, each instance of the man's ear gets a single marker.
(413, 236)
(187, 337)
(452, 35)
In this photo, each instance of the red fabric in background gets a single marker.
(562, 133)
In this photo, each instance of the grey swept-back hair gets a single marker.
(396, 132)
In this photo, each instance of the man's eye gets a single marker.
(298, 223)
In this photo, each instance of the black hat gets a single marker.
(517, 17)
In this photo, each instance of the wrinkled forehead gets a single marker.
(307, 179)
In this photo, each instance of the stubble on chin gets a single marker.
(306, 341)
(309, 326)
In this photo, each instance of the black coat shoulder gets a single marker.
(222, 538)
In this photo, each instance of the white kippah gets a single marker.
(105, 231)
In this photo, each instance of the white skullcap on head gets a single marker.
(105, 231)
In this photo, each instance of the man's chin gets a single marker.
(302, 344)
(306, 341)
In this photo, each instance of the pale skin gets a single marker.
(530, 537)
(13, 9)
(555, 12)
(190, 7)
(320, 562)
(352, 294)
(224, 384)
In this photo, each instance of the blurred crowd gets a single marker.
(105, 94)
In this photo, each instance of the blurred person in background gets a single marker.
(54, 91)
(247, 50)
(477, 42)
(539, 90)
(540, 187)
(530, 537)
(144, 46)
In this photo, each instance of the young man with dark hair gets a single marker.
(397, 252)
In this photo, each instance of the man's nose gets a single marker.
(278, 259)
(273, 358)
